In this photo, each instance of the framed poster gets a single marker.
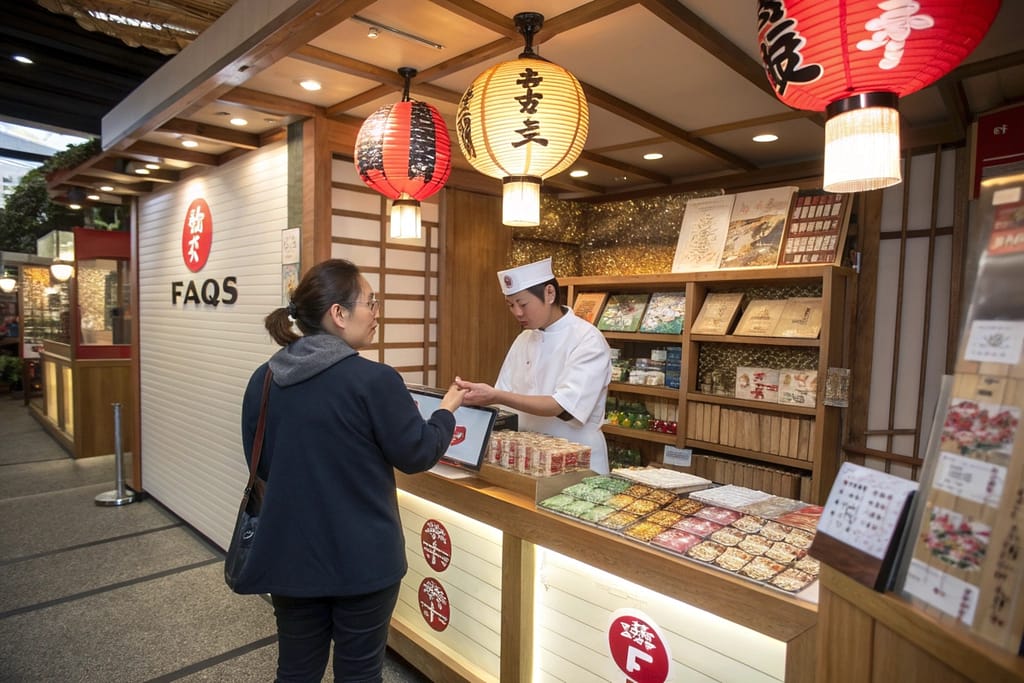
(665, 313)
(760, 318)
(717, 313)
(702, 235)
(588, 305)
(623, 312)
(756, 226)
(816, 230)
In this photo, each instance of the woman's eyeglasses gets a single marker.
(373, 303)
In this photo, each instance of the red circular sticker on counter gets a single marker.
(436, 544)
(197, 235)
(434, 604)
(637, 647)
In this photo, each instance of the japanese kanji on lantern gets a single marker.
(523, 121)
(404, 152)
(853, 59)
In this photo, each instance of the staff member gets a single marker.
(556, 374)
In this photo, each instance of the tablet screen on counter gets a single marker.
(472, 428)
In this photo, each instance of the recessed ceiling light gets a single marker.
(153, 167)
(653, 156)
(22, 59)
(579, 173)
(106, 188)
(622, 178)
(74, 207)
(766, 137)
(189, 143)
(141, 171)
(93, 197)
(239, 121)
(310, 84)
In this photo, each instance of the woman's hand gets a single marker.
(477, 393)
(453, 398)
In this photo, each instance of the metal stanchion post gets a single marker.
(118, 496)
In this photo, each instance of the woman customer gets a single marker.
(557, 370)
(329, 549)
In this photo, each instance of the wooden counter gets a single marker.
(870, 637)
(760, 609)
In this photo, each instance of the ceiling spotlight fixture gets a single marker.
(522, 121)
(239, 121)
(106, 188)
(310, 85)
(189, 143)
(153, 167)
(376, 27)
(93, 197)
(765, 137)
(579, 173)
(653, 156)
(8, 280)
(22, 59)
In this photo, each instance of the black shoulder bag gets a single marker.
(252, 501)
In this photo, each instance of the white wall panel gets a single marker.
(353, 228)
(573, 605)
(472, 581)
(195, 360)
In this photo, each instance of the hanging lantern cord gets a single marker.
(406, 72)
(528, 24)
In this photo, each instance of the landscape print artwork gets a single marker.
(703, 232)
(755, 229)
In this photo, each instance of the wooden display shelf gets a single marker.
(649, 337)
(828, 350)
(640, 434)
(760, 456)
(762, 341)
(644, 390)
(749, 405)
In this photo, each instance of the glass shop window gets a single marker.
(103, 302)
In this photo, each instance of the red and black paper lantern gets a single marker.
(403, 151)
(839, 56)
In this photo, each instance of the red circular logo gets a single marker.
(434, 604)
(436, 544)
(637, 647)
(197, 235)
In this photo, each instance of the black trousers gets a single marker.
(357, 624)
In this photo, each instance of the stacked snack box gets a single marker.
(536, 454)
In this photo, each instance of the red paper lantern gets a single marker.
(404, 152)
(839, 56)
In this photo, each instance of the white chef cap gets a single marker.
(517, 279)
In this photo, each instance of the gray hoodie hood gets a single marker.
(308, 356)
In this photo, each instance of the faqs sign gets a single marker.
(196, 240)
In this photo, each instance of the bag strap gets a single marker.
(257, 442)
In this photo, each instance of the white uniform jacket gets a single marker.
(569, 361)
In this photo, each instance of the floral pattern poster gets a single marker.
(703, 232)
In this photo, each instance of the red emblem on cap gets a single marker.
(508, 281)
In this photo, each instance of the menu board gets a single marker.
(859, 531)
(816, 231)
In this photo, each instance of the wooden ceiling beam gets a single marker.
(202, 131)
(686, 22)
(270, 104)
(158, 151)
(482, 16)
(347, 65)
(652, 123)
(359, 100)
(624, 167)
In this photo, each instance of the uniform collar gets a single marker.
(559, 324)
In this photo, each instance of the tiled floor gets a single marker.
(90, 593)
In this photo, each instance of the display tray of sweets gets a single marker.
(758, 504)
(730, 496)
(662, 478)
(755, 548)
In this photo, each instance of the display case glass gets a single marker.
(46, 308)
(103, 300)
